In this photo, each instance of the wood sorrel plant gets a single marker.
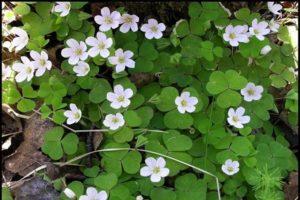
(188, 134)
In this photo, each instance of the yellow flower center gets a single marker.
(120, 98)
(76, 115)
(128, 19)
(121, 59)
(235, 119)
(250, 92)
(115, 120)
(42, 62)
(256, 31)
(153, 29)
(156, 170)
(28, 70)
(183, 103)
(108, 20)
(101, 45)
(230, 169)
(78, 52)
(232, 36)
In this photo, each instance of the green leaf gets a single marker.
(167, 99)
(125, 134)
(6, 195)
(77, 5)
(146, 114)
(174, 141)
(229, 98)
(194, 9)
(99, 91)
(106, 181)
(132, 118)
(92, 171)
(26, 105)
(198, 26)
(22, 8)
(73, 20)
(148, 51)
(241, 146)
(174, 120)
(70, 143)
(162, 194)
(77, 187)
(131, 162)
(10, 93)
(217, 83)
(242, 14)
(182, 28)
(235, 80)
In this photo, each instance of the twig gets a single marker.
(10, 134)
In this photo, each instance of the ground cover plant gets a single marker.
(200, 126)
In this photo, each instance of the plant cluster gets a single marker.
(208, 108)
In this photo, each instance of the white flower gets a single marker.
(139, 197)
(114, 122)
(120, 97)
(8, 45)
(100, 45)
(274, 8)
(63, 8)
(155, 168)
(236, 34)
(122, 60)
(76, 51)
(274, 26)
(108, 20)
(252, 92)
(153, 29)
(21, 41)
(6, 72)
(265, 50)
(186, 103)
(69, 193)
(8, 16)
(129, 22)
(81, 69)
(73, 115)
(236, 118)
(230, 167)
(93, 194)
(25, 69)
(40, 62)
(259, 29)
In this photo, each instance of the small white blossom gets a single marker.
(230, 167)
(25, 69)
(73, 115)
(139, 197)
(122, 60)
(93, 194)
(21, 40)
(6, 72)
(274, 8)
(265, 50)
(8, 16)
(155, 169)
(237, 118)
(100, 45)
(63, 8)
(129, 22)
(40, 62)
(81, 69)
(8, 45)
(259, 29)
(186, 103)
(108, 20)
(113, 122)
(236, 34)
(120, 97)
(153, 29)
(69, 193)
(252, 92)
(274, 26)
(75, 51)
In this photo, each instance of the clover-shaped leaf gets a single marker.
(174, 141)
(167, 99)
(106, 181)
